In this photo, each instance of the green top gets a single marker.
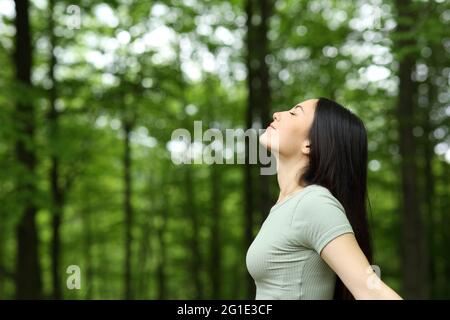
(284, 258)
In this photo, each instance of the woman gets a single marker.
(315, 242)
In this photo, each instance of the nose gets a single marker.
(275, 116)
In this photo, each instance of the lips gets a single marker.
(271, 126)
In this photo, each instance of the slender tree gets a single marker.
(261, 86)
(28, 279)
(258, 111)
(249, 116)
(128, 210)
(57, 194)
(415, 270)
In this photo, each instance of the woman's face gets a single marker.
(287, 135)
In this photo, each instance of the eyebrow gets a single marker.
(299, 106)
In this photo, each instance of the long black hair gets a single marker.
(338, 162)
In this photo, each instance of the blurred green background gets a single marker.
(91, 91)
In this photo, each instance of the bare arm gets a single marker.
(347, 260)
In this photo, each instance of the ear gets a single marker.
(306, 147)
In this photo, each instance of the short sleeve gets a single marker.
(318, 218)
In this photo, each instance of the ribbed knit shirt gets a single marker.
(284, 258)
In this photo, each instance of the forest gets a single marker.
(93, 203)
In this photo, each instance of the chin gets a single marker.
(268, 141)
(263, 139)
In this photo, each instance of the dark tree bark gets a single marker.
(196, 258)
(434, 213)
(160, 218)
(141, 284)
(248, 176)
(429, 176)
(215, 248)
(445, 225)
(263, 105)
(215, 252)
(258, 110)
(162, 263)
(28, 280)
(87, 249)
(128, 210)
(415, 261)
(57, 194)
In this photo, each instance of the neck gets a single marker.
(288, 175)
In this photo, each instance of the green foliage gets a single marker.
(147, 67)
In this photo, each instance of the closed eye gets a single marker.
(292, 113)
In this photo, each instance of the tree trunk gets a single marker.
(258, 109)
(264, 96)
(162, 262)
(429, 186)
(160, 227)
(87, 250)
(57, 193)
(141, 284)
(127, 209)
(415, 270)
(196, 258)
(215, 261)
(28, 279)
(215, 253)
(248, 179)
(434, 211)
(56, 250)
(446, 225)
